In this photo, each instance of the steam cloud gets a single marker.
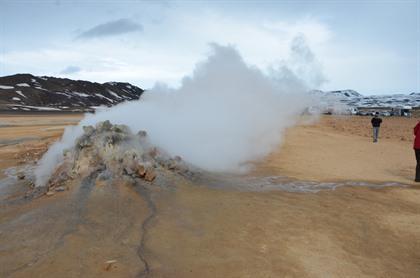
(224, 115)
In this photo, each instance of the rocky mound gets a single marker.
(25, 92)
(112, 152)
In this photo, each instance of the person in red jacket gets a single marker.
(417, 150)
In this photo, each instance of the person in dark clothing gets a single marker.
(376, 123)
(417, 150)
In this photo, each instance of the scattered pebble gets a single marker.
(21, 176)
(60, 188)
(108, 264)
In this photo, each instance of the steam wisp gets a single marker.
(224, 115)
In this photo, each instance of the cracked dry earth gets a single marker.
(183, 226)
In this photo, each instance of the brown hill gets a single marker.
(25, 92)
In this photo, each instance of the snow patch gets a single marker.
(40, 108)
(64, 94)
(20, 93)
(4, 87)
(16, 99)
(23, 85)
(104, 97)
(114, 94)
(80, 94)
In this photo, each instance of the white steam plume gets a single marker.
(222, 116)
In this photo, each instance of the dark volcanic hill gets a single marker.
(25, 92)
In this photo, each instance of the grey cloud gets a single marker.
(111, 28)
(70, 70)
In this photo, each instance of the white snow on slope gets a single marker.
(16, 99)
(4, 87)
(354, 99)
(104, 97)
(40, 108)
(20, 93)
(80, 94)
(23, 85)
(114, 94)
(64, 94)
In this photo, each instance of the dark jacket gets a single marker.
(376, 122)
(417, 138)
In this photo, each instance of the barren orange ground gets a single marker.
(202, 231)
(340, 148)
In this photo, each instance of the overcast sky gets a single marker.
(370, 46)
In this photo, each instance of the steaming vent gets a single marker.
(113, 152)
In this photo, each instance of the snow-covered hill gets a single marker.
(25, 92)
(354, 99)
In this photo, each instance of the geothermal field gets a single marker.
(219, 139)
(118, 206)
(235, 173)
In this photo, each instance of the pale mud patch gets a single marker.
(411, 195)
(404, 223)
(15, 183)
(281, 183)
(320, 256)
(9, 142)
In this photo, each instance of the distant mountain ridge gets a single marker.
(25, 92)
(28, 93)
(355, 99)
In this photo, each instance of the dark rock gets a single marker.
(21, 175)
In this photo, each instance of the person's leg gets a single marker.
(375, 134)
(418, 165)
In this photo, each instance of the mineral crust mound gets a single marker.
(110, 151)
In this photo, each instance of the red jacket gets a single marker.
(417, 134)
